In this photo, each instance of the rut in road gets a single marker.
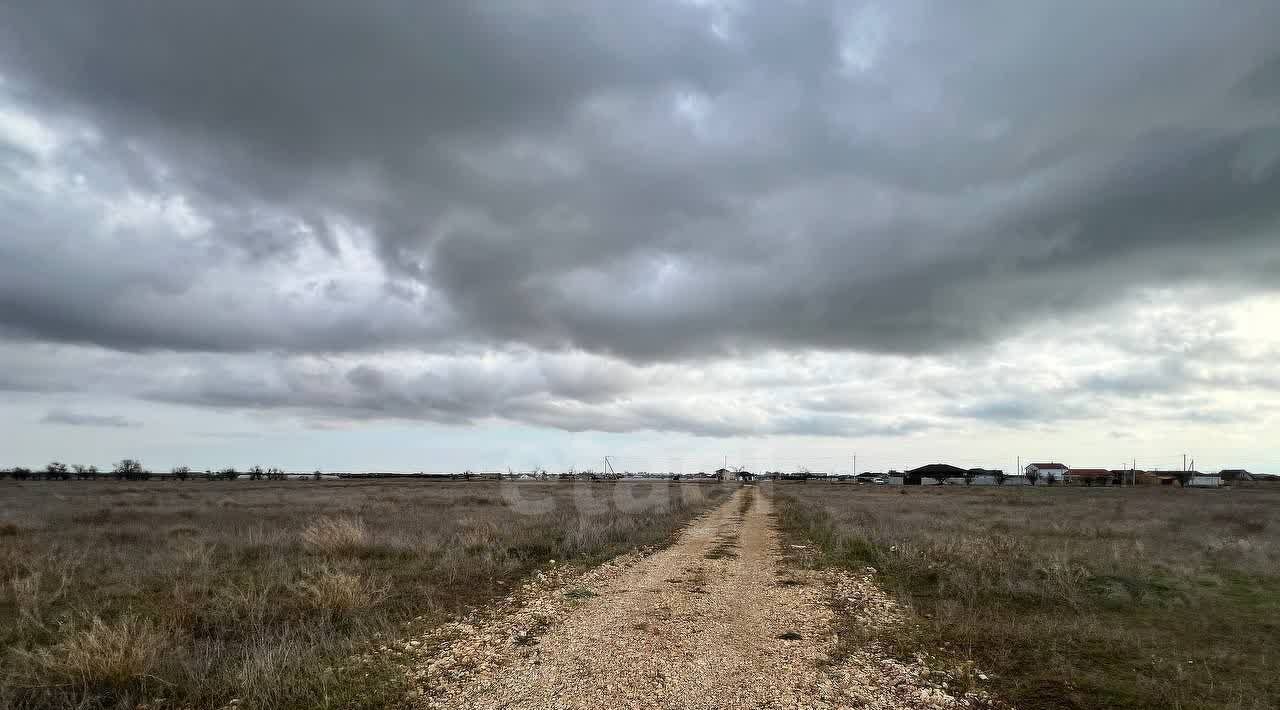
(717, 620)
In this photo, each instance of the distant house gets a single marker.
(1155, 478)
(1235, 474)
(986, 477)
(1203, 480)
(1126, 476)
(1045, 472)
(994, 477)
(939, 473)
(1088, 476)
(1191, 479)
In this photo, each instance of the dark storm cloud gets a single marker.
(62, 416)
(652, 180)
(450, 391)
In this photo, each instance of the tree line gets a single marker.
(133, 470)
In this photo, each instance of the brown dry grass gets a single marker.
(335, 535)
(104, 655)
(189, 594)
(1070, 598)
(341, 592)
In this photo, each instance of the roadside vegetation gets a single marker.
(193, 594)
(1068, 598)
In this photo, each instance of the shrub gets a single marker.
(339, 592)
(335, 535)
(110, 655)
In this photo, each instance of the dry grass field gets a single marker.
(191, 594)
(1070, 598)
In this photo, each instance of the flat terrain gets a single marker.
(191, 594)
(717, 620)
(1069, 598)
(533, 595)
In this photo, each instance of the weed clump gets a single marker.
(340, 592)
(106, 656)
(335, 536)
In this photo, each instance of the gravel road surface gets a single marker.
(717, 620)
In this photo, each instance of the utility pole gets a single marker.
(1184, 462)
(855, 464)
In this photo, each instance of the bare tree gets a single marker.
(85, 472)
(180, 472)
(130, 469)
(57, 470)
(255, 473)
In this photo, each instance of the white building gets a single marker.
(1204, 480)
(1046, 472)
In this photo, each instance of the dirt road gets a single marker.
(717, 620)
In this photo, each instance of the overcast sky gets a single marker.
(445, 235)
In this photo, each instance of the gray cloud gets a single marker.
(625, 180)
(557, 213)
(63, 416)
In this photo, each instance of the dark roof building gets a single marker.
(986, 472)
(935, 471)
